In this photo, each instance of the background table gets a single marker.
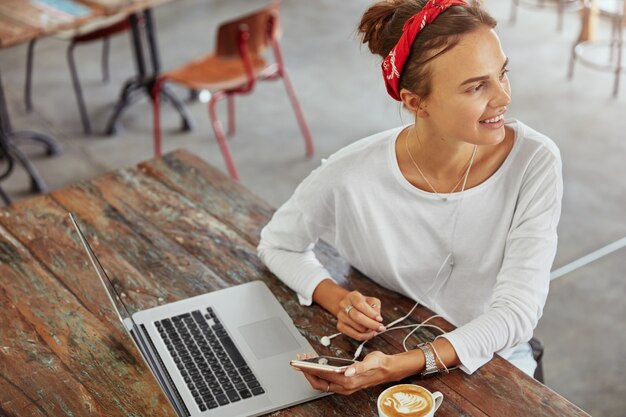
(22, 21)
(166, 230)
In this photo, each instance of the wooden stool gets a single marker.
(613, 10)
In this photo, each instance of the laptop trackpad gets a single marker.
(268, 338)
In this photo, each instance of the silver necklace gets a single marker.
(462, 179)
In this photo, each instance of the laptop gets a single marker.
(225, 353)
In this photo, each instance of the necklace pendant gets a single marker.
(444, 199)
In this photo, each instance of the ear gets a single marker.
(414, 103)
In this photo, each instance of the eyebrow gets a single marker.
(483, 77)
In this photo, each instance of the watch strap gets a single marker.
(431, 363)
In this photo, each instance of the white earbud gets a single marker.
(325, 340)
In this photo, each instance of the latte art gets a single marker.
(405, 403)
(406, 400)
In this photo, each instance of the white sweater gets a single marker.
(502, 247)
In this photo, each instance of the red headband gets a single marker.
(394, 62)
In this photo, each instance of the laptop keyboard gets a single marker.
(211, 365)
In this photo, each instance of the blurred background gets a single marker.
(343, 99)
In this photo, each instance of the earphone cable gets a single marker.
(415, 327)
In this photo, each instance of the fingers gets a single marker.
(347, 320)
(315, 381)
(369, 372)
(376, 305)
(336, 383)
(363, 311)
(358, 333)
(304, 356)
(362, 314)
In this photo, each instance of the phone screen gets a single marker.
(330, 361)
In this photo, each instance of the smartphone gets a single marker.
(323, 363)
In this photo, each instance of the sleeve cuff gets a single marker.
(306, 296)
(469, 362)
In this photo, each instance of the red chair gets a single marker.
(234, 68)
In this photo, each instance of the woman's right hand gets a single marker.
(359, 316)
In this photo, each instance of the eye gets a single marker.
(504, 73)
(477, 87)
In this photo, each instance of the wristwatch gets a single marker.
(431, 363)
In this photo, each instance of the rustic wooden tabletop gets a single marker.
(24, 20)
(168, 229)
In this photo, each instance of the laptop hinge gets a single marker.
(143, 340)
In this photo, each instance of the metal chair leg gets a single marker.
(77, 88)
(221, 138)
(572, 61)
(106, 46)
(51, 147)
(537, 348)
(156, 116)
(5, 197)
(299, 115)
(37, 184)
(618, 67)
(513, 17)
(560, 10)
(28, 100)
(186, 120)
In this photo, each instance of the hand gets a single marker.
(373, 370)
(359, 316)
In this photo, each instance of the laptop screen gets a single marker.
(122, 312)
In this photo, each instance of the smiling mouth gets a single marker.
(493, 119)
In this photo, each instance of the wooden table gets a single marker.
(22, 21)
(166, 230)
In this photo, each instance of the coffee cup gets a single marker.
(408, 400)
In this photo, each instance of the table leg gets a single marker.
(10, 153)
(166, 91)
(155, 58)
(142, 83)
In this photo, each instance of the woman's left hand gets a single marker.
(373, 370)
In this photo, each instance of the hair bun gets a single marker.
(373, 27)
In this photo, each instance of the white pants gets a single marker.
(522, 357)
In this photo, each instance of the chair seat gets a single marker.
(214, 73)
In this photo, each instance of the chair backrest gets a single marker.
(262, 25)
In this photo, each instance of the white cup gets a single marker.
(408, 400)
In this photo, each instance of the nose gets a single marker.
(502, 96)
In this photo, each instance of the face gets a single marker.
(469, 91)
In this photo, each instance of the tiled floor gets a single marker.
(343, 98)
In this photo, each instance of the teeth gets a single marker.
(495, 119)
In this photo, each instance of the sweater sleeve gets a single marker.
(522, 283)
(287, 241)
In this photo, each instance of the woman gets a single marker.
(457, 211)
